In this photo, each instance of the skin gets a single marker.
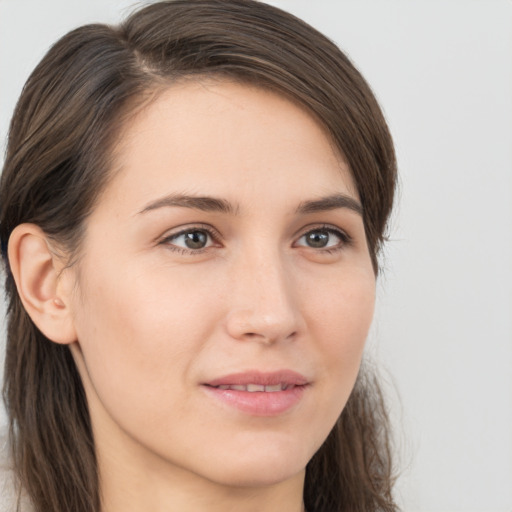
(153, 320)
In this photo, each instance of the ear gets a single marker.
(41, 283)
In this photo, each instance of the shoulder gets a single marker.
(8, 483)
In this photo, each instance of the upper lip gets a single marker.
(288, 377)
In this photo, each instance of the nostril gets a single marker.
(248, 324)
(261, 337)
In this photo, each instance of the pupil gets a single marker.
(195, 240)
(318, 239)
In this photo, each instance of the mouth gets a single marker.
(259, 393)
(256, 388)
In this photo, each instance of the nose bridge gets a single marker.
(262, 305)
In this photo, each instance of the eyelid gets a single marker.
(213, 233)
(345, 238)
(216, 237)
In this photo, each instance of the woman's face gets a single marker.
(225, 289)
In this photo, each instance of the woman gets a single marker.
(192, 206)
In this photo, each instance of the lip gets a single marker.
(262, 378)
(259, 403)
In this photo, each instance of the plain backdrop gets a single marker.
(442, 71)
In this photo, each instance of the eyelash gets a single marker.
(345, 239)
(213, 234)
(215, 237)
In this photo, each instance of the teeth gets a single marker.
(253, 388)
(276, 387)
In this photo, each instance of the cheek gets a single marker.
(340, 321)
(139, 337)
(342, 307)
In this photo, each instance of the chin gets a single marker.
(257, 475)
(257, 465)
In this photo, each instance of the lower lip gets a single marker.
(259, 403)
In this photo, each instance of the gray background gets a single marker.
(443, 329)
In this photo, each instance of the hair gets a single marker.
(58, 159)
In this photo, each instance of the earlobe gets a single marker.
(36, 271)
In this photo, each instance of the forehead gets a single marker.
(224, 139)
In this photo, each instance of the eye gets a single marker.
(190, 240)
(323, 238)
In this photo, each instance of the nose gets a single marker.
(263, 302)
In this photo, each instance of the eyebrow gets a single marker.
(331, 202)
(214, 204)
(206, 204)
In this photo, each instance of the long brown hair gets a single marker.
(58, 159)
